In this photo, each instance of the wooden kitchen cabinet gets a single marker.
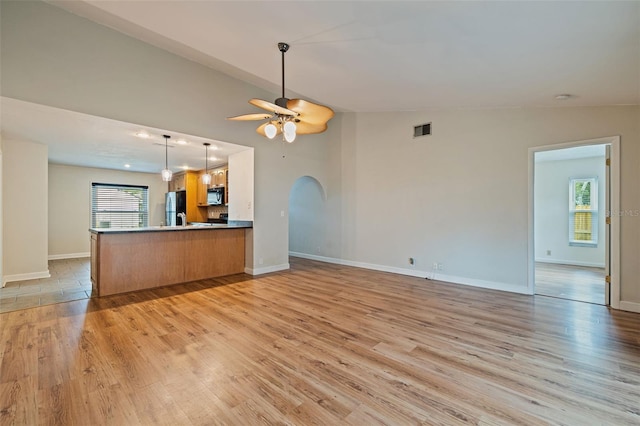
(178, 182)
(142, 259)
(202, 190)
(189, 181)
(219, 177)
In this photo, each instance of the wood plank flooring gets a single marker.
(581, 283)
(320, 344)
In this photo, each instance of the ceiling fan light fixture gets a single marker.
(290, 127)
(289, 116)
(270, 130)
(289, 136)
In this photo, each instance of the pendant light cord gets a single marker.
(166, 151)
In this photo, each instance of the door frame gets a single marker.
(613, 188)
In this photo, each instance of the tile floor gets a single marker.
(70, 280)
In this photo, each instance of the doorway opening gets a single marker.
(572, 239)
(307, 218)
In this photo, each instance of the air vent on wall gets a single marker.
(422, 130)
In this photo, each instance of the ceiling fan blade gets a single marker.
(272, 107)
(310, 112)
(261, 131)
(303, 128)
(248, 117)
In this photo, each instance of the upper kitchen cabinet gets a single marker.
(178, 182)
(202, 190)
(218, 180)
(219, 177)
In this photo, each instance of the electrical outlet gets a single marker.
(548, 252)
(435, 266)
(440, 267)
(411, 261)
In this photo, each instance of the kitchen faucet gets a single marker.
(184, 218)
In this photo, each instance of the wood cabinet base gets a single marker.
(123, 262)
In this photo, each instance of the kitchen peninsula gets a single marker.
(124, 260)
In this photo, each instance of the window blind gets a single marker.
(119, 206)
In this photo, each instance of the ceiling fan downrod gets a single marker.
(282, 101)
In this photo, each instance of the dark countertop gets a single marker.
(232, 224)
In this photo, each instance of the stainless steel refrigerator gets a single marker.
(175, 202)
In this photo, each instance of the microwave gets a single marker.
(215, 196)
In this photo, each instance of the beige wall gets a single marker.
(24, 224)
(70, 204)
(460, 196)
(241, 184)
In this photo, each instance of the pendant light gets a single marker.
(166, 173)
(206, 178)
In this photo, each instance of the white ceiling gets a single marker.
(573, 153)
(399, 56)
(85, 140)
(358, 56)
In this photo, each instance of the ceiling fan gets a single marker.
(289, 117)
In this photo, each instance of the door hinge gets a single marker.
(608, 161)
(608, 220)
(607, 279)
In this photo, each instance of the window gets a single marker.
(119, 206)
(583, 212)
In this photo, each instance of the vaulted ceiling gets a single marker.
(362, 56)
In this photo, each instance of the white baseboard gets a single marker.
(23, 277)
(494, 285)
(630, 306)
(266, 269)
(571, 263)
(68, 256)
(372, 266)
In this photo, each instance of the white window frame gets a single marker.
(593, 210)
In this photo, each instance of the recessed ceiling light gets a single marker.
(181, 142)
(127, 166)
(213, 147)
(143, 134)
(213, 159)
(185, 167)
(563, 97)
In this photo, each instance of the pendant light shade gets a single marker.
(166, 173)
(270, 130)
(289, 131)
(206, 177)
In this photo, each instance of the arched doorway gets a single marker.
(307, 218)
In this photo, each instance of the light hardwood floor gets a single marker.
(579, 283)
(320, 344)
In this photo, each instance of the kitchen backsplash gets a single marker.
(214, 211)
